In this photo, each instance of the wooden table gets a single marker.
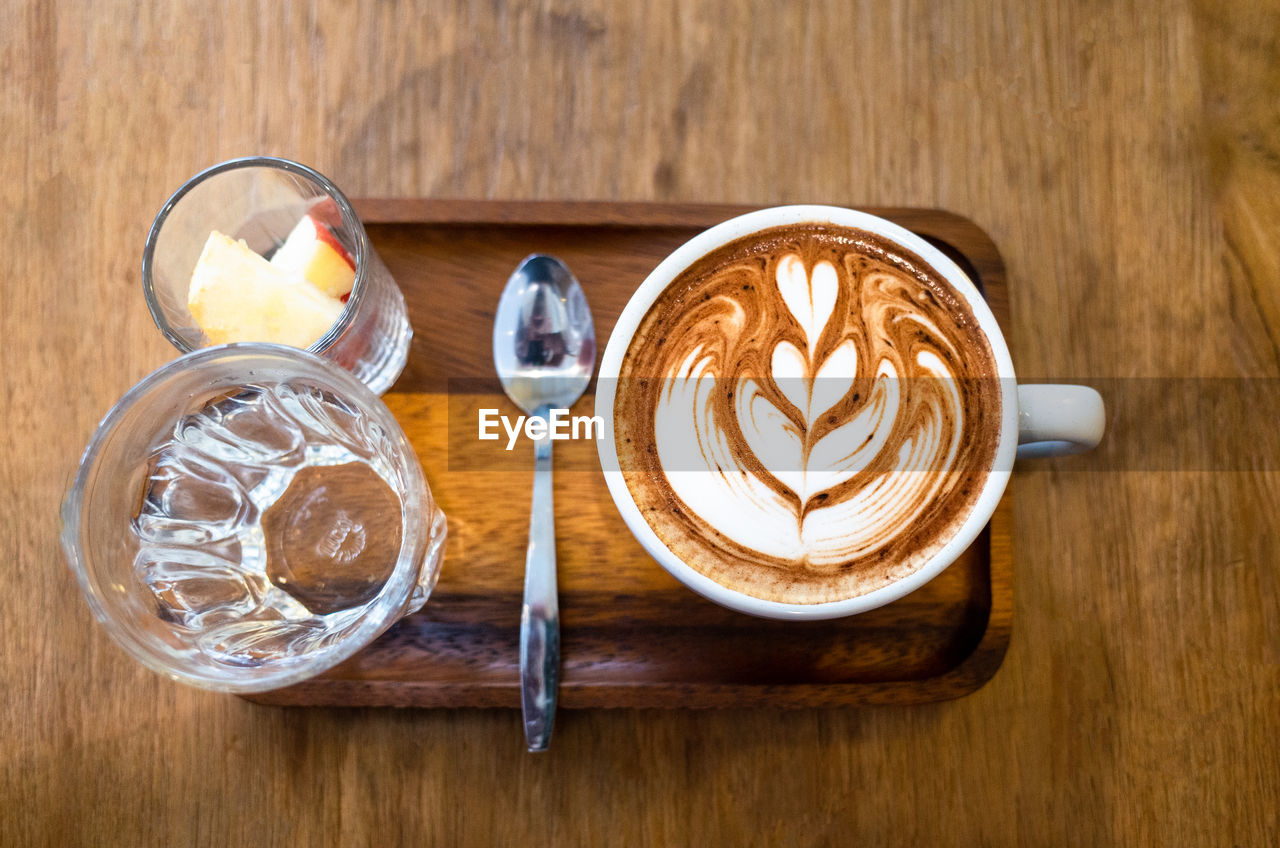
(1124, 159)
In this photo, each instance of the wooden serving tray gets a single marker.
(631, 635)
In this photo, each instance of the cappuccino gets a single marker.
(807, 414)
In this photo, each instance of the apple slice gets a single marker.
(312, 251)
(237, 296)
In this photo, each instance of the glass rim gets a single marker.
(416, 536)
(350, 308)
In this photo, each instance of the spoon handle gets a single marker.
(540, 616)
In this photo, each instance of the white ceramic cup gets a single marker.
(1036, 420)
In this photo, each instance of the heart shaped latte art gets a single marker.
(823, 414)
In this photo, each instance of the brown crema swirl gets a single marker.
(807, 414)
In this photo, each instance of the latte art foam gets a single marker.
(807, 414)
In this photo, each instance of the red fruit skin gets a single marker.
(325, 211)
(325, 235)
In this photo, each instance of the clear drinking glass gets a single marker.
(233, 523)
(259, 200)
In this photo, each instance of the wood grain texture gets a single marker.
(1122, 155)
(631, 636)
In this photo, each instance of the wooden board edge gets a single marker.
(604, 213)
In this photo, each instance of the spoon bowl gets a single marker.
(544, 343)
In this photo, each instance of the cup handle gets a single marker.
(1057, 420)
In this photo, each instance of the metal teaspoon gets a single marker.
(544, 349)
